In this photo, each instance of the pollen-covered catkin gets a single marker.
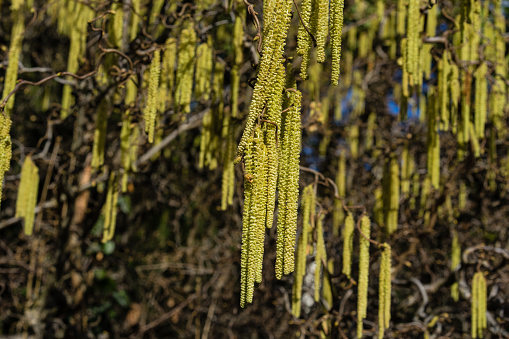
(478, 305)
(203, 71)
(348, 245)
(110, 208)
(336, 18)
(27, 194)
(5, 149)
(185, 69)
(303, 39)
(11, 74)
(384, 291)
(288, 185)
(362, 294)
(322, 29)
(150, 113)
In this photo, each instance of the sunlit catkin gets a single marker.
(322, 29)
(150, 112)
(391, 187)
(304, 39)
(348, 231)
(203, 71)
(362, 294)
(384, 291)
(135, 19)
(288, 185)
(5, 149)
(27, 194)
(185, 69)
(478, 305)
(413, 31)
(110, 208)
(481, 99)
(336, 30)
(11, 74)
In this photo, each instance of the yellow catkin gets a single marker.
(267, 100)
(412, 50)
(320, 256)
(258, 224)
(348, 231)
(135, 19)
(238, 38)
(443, 93)
(288, 186)
(253, 233)
(362, 294)
(78, 32)
(384, 291)
(336, 19)
(401, 17)
(478, 305)
(27, 194)
(11, 74)
(116, 25)
(327, 288)
(476, 148)
(110, 208)
(308, 207)
(203, 71)
(185, 69)
(431, 27)
(5, 149)
(168, 70)
(481, 99)
(322, 29)
(304, 40)
(150, 113)
(405, 174)
(228, 179)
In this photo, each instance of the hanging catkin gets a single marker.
(478, 305)
(27, 194)
(253, 231)
(185, 69)
(5, 149)
(288, 185)
(336, 19)
(150, 113)
(413, 30)
(322, 29)
(308, 214)
(384, 291)
(481, 99)
(362, 294)
(348, 245)
(304, 41)
(110, 208)
(203, 71)
(11, 74)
